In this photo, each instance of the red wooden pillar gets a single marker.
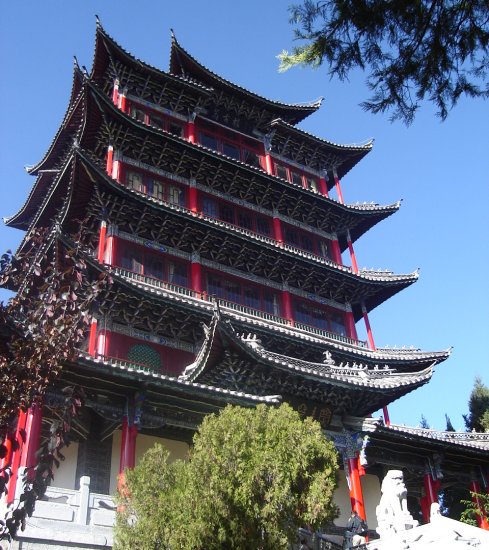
(110, 160)
(369, 329)
(323, 187)
(356, 493)
(109, 250)
(33, 428)
(268, 163)
(430, 495)
(16, 455)
(115, 92)
(196, 274)
(92, 338)
(350, 325)
(128, 449)
(338, 187)
(122, 101)
(193, 198)
(481, 519)
(101, 241)
(191, 128)
(354, 264)
(277, 230)
(287, 310)
(116, 166)
(131, 446)
(102, 343)
(336, 252)
(122, 456)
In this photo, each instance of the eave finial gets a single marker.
(98, 22)
(75, 63)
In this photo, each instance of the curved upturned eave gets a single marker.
(352, 154)
(173, 383)
(23, 217)
(44, 169)
(64, 178)
(181, 59)
(106, 45)
(381, 391)
(410, 371)
(65, 132)
(432, 440)
(371, 213)
(377, 213)
(207, 310)
(385, 279)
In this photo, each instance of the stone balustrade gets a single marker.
(68, 518)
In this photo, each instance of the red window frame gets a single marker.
(223, 289)
(291, 173)
(147, 116)
(224, 137)
(148, 183)
(127, 251)
(219, 208)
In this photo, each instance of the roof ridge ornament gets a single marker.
(328, 359)
(252, 341)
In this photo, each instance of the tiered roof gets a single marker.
(72, 183)
(412, 448)
(182, 229)
(233, 360)
(313, 152)
(235, 105)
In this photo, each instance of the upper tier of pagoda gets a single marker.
(236, 99)
(179, 228)
(313, 152)
(94, 121)
(190, 88)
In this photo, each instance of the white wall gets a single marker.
(64, 476)
(371, 495)
(177, 450)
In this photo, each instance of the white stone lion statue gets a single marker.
(392, 513)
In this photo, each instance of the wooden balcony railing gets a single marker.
(239, 308)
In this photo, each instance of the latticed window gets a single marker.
(281, 171)
(296, 178)
(324, 249)
(312, 184)
(135, 181)
(262, 226)
(155, 188)
(142, 354)
(175, 195)
(138, 114)
(177, 273)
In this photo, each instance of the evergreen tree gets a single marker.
(423, 423)
(449, 427)
(430, 49)
(478, 417)
(253, 477)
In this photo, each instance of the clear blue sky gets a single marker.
(440, 170)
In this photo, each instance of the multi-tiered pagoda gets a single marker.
(231, 250)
